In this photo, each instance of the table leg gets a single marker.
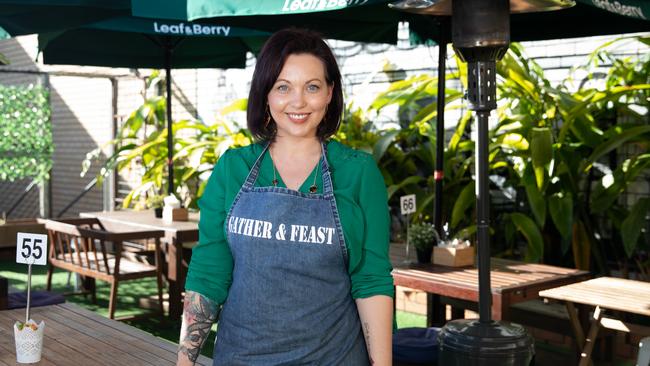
(585, 356)
(575, 324)
(436, 316)
(174, 278)
(500, 307)
(457, 313)
(89, 285)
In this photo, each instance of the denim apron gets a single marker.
(290, 301)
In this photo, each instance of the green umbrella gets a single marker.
(196, 9)
(138, 42)
(151, 43)
(20, 17)
(352, 20)
(359, 19)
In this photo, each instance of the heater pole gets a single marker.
(483, 218)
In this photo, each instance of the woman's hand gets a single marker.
(199, 313)
(376, 314)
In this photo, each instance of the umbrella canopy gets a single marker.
(138, 42)
(20, 17)
(195, 9)
(353, 20)
(152, 43)
(364, 20)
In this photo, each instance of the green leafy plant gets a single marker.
(563, 161)
(142, 142)
(25, 133)
(548, 157)
(155, 201)
(422, 235)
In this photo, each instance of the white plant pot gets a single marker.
(29, 343)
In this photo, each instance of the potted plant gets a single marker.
(423, 237)
(156, 202)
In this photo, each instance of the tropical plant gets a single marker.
(141, 144)
(547, 146)
(564, 136)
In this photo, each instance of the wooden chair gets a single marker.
(83, 246)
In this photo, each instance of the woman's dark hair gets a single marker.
(270, 62)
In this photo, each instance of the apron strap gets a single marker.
(328, 187)
(255, 170)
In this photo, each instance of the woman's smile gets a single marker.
(298, 117)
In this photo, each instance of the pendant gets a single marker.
(313, 189)
(275, 182)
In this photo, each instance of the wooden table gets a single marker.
(511, 281)
(76, 336)
(605, 294)
(176, 233)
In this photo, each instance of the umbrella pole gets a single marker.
(170, 136)
(438, 175)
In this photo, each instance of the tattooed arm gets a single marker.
(376, 314)
(199, 313)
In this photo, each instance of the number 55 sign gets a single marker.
(31, 248)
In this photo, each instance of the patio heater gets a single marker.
(481, 36)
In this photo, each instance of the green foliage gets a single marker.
(572, 133)
(142, 143)
(155, 201)
(549, 141)
(25, 133)
(422, 235)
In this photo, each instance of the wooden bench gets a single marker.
(83, 246)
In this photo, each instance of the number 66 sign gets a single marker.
(407, 204)
(31, 248)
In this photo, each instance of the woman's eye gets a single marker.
(313, 88)
(282, 88)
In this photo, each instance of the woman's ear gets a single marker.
(330, 92)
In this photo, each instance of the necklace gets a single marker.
(312, 189)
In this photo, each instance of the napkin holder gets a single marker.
(172, 210)
(454, 256)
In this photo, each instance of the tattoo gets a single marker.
(199, 313)
(366, 334)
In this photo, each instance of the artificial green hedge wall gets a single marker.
(25, 133)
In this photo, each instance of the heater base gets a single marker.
(469, 342)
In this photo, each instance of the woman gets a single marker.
(294, 229)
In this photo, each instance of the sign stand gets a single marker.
(407, 205)
(30, 249)
(29, 291)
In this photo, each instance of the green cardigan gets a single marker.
(360, 197)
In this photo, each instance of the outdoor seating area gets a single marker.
(182, 183)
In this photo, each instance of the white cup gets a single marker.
(29, 342)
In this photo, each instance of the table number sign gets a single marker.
(407, 204)
(31, 248)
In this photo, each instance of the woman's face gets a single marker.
(299, 97)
